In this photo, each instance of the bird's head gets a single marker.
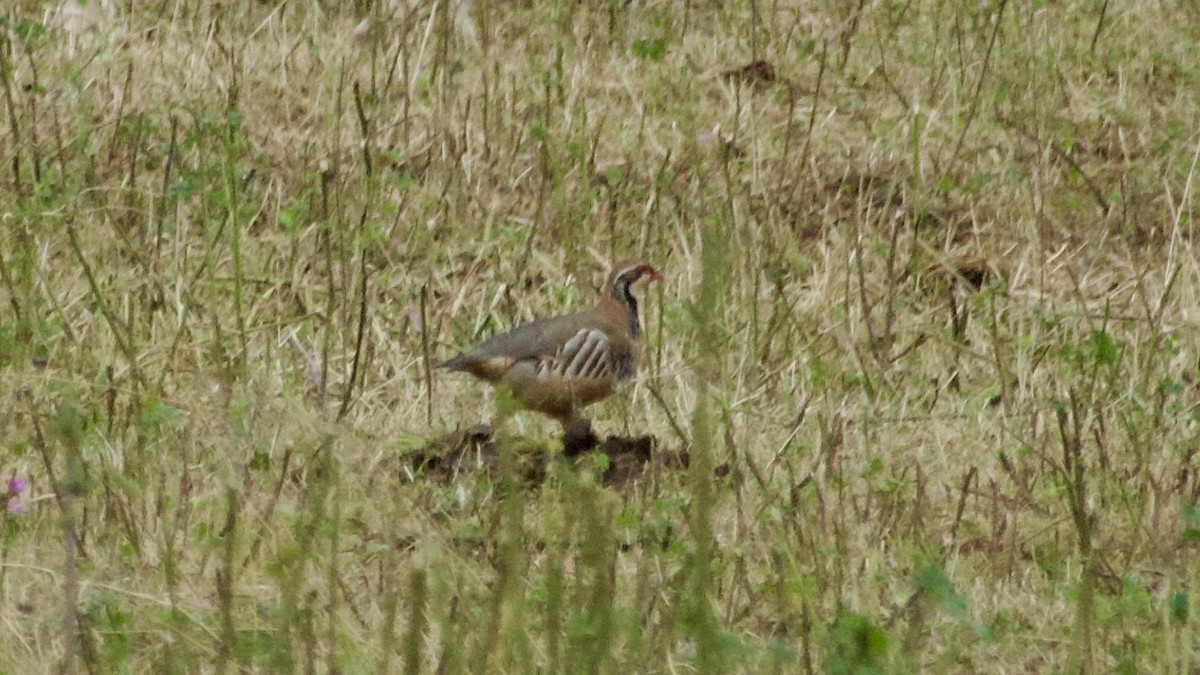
(625, 274)
(620, 284)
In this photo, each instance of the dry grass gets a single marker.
(932, 298)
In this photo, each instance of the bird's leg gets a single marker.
(577, 436)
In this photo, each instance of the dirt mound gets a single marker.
(475, 449)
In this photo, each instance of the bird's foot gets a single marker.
(578, 439)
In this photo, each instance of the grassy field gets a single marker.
(928, 335)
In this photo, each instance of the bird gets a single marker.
(559, 365)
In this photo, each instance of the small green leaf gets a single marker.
(1169, 387)
(155, 412)
(1191, 515)
(506, 403)
(1104, 350)
(932, 580)
(601, 461)
(181, 190)
(69, 422)
(581, 626)
(1179, 607)
(653, 50)
(1191, 523)
(287, 221)
(875, 467)
(261, 461)
(27, 29)
(857, 646)
(252, 646)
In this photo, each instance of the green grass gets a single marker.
(931, 299)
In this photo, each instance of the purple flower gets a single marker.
(16, 485)
(15, 505)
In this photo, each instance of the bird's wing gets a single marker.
(585, 356)
(539, 339)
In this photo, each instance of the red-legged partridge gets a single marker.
(559, 365)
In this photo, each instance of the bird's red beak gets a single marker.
(654, 274)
